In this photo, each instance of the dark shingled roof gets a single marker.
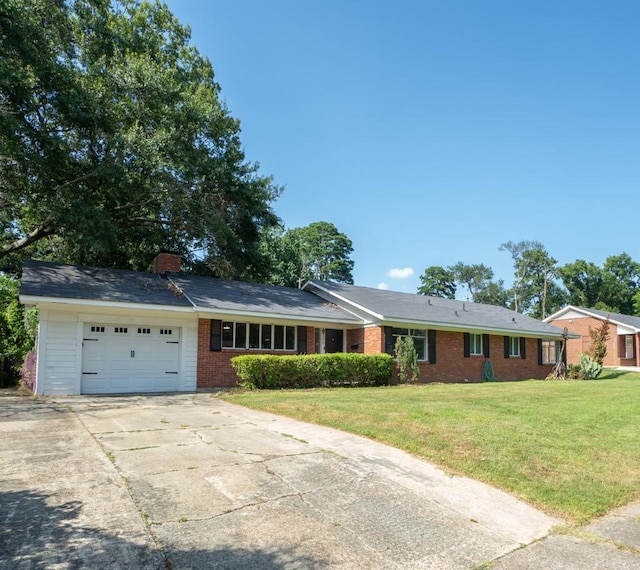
(44, 279)
(392, 306)
(238, 296)
(56, 280)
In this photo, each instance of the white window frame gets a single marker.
(416, 334)
(628, 346)
(236, 341)
(549, 346)
(475, 345)
(514, 347)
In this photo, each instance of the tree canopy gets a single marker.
(114, 143)
(317, 251)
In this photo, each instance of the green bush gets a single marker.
(589, 368)
(268, 371)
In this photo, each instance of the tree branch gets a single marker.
(43, 230)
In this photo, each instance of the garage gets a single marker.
(124, 358)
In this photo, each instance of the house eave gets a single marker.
(36, 300)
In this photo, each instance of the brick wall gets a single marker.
(452, 366)
(615, 344)
(215, 371)
(214, 368)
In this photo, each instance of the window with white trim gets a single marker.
(628, 346)
(419, 337)
(551, 351)
(514, 346)
(256, 336)
(475, 344)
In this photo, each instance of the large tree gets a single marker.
(114, 143)
(438, 282)
(291, 257)
(478, 279)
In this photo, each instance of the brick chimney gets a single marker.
(167, 263)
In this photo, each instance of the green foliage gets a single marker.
(292, 257)
(18, 328)
(589, 368)
(613, 287)
(266, 371)
(114, 143)
(436, 281)
(598, 347)
(407, 359)
(478, 279)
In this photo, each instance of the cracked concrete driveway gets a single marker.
(189, 481)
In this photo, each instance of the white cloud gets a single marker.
(400, 273)
(383, 285)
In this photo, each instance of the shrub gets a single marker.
(268, 371)
(589, 368)
(407, 359)
(598, 347)
(28, 370)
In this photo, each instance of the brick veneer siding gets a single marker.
(615, 344)
(214, 368)
(215, 371)
(452, 366)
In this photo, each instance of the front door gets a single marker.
(334, 340)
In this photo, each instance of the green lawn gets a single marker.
(571, 448)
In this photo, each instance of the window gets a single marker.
(514, 346)
(144, 331)
(475, 344)
(97, 329)
(419, 337)
(628, 346)
(551, 351)
(255, 336)
(166, 331)
(121, 330)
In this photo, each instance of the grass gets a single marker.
(570, 448)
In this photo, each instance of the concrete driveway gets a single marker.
(189, 481)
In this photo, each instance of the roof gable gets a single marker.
(572, 311)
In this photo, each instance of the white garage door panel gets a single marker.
(130, 358)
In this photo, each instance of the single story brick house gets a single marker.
(623, 346)
(113, 331)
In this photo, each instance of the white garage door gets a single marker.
(125, 358)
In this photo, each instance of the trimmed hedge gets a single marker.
(268, 371)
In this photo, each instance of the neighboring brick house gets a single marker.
(623, 346)
(114, 331)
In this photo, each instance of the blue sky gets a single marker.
(432, 132)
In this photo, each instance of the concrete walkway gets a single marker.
(189, 481)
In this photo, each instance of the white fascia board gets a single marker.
(33, 300)
(564, 311)
(234, 314)
(472, 328)
(331, 297)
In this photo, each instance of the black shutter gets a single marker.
(485, 345)
(539, 351)
(431, 339)
(302, 340)
(523, 347)
(388, 341)
(506, 346)
(215, 339)
(467, 344)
